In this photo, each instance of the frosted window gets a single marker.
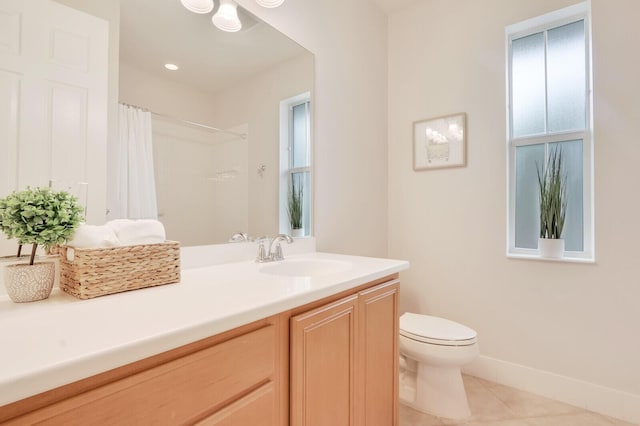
(295, 159)
(549, 104)
(566, 77)
(574, 220)
(300, 134)
(527, 203)
(528, 85)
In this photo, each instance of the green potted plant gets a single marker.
(294, 208)
(36, 216)
(552, 185)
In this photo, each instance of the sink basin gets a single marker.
(305, 267)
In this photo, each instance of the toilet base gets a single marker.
(438, 391)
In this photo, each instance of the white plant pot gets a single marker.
(28, 283)
(297, 233)
(551, 248)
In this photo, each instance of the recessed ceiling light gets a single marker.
(171, 67)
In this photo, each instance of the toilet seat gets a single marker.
(436, 331)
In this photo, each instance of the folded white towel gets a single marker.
(143, 231)
(118, 224)
(93, 236)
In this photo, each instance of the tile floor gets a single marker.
(498, 405)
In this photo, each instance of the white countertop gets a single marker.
(59, 340)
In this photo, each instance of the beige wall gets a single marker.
(580, 321)
(349, 41)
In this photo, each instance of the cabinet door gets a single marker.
(323, 364)
(378, 338)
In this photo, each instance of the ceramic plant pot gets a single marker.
(28, 283)
(551, 248)
(296, 233)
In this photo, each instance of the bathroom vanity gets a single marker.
(311, 340)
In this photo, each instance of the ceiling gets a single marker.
(154, 32)
(391, 6)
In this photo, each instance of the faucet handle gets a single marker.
(262, 252)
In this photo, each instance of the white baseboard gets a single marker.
(600, 399)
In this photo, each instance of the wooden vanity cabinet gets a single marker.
(230, 379)
(344, 361)
(328, 363)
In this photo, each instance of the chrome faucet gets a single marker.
(239, 237)
(275, 250)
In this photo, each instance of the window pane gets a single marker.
(566, 77)
(574, 220)
(527, 212)
(528, 85)
(299, 134)
(304, 178)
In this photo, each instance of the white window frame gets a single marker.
(286, 153)
(538, 24)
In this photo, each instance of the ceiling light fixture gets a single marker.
(226, 18)
(270, 3)
(198, 6)
(172, 67)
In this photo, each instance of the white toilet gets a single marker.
(432, 350)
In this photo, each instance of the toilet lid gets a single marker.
(435, 330)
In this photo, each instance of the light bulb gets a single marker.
(270, 3)
(226, 18)
(198, 6)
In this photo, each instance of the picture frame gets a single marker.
(440, 142)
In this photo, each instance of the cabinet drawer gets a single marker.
(256, 409)
(177, 392)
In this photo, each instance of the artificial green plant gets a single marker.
(552, 184)
(39, 216)
(294, 204)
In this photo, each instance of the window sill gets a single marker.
(537, 257)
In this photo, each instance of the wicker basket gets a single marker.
(98, 272)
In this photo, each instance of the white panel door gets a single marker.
(53, 101)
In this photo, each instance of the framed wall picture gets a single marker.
(440, 142)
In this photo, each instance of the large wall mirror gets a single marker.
(216, 122)
(211, 183)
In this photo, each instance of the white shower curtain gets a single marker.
(136, 182)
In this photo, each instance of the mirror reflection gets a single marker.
(218, 124)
